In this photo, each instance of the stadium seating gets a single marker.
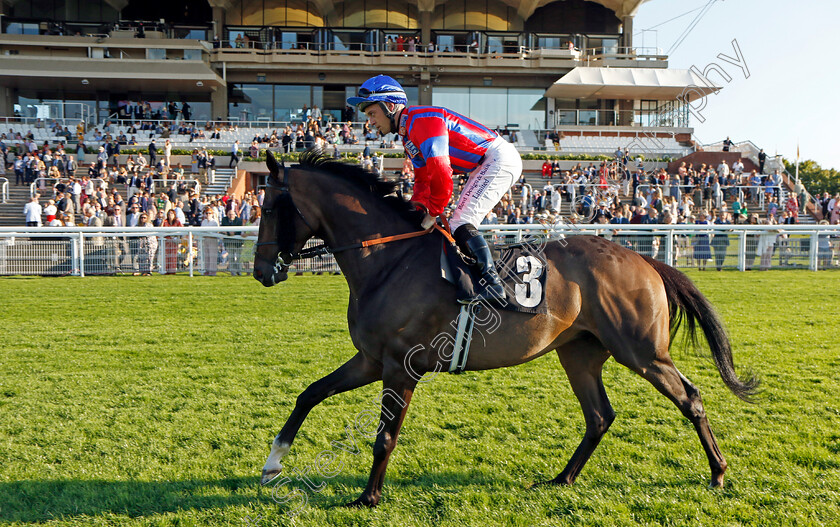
(592, 145)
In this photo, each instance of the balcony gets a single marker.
(106, 63)
(308, 54)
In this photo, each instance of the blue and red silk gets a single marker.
(445, 143)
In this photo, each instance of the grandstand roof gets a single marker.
(631, 83)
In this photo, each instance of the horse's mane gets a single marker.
(384, 190)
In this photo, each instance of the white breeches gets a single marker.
(486, 185)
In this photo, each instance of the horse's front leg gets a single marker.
(356, 372)
(397, 388)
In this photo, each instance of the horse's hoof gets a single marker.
(268, 476)
(362, 502)
(551, 483)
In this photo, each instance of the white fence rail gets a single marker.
(81, 251)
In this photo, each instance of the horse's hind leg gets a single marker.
(660, 371)
(356, 372)
(583, 360)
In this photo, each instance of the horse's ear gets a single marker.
(272, 165)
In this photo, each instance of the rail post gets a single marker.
(813, 254)
(80, 255)
(190, 252)
(669, 247)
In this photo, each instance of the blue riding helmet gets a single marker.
(381, 88)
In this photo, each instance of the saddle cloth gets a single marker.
(522, 269)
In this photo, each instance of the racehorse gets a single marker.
(603, 300)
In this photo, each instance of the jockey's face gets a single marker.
(378, 117)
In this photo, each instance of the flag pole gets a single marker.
(797, 162)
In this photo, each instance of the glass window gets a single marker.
(29, 108)
(250, 101)
(252, 13)
(156, 54)
(566, 117)
(376, 13)
(200, 111)
(526, 107)
(550, 43)
(344, 40)
(489, 107)
(475, 14)
(192, 54)
(192, 34)
(354, 14)
(453, 15)
(498, 17)
(17, 28)
(290, 102)
(495, 44)
(298, 14)
(445, 43)
(288, 40)
(402, 15)
(495, 107)
(412, 93)
(457, 99)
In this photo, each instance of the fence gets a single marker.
(84, 251)
(4, 190)
(81, 251)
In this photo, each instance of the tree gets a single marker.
(815, 178)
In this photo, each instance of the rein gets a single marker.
(322, 249)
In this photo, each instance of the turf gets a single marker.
(152, 401)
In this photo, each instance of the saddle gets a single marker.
(522, 268)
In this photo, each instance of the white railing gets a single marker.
(418, 49)
(690, 246)
(210, 250)
(4, 189)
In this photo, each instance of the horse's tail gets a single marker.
(688, 304)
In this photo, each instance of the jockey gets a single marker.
(439, 142)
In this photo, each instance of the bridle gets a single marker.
(289, 256)
(285, 198)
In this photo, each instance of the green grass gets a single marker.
(153, 401)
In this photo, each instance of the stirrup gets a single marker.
(496, 298)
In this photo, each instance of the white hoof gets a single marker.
(273, 467)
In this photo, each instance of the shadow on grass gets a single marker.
(41, 501)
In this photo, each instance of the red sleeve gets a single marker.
(432, 180)
(433, 185)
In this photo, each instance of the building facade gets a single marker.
(497, 61)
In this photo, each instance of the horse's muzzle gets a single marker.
(269, 275)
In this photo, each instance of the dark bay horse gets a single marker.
(603, 300)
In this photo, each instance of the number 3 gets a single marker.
(528, 293)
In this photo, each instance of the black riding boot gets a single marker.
(490, 286)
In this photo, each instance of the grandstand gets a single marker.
(560, 78)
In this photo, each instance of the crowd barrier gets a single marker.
(81, 251)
